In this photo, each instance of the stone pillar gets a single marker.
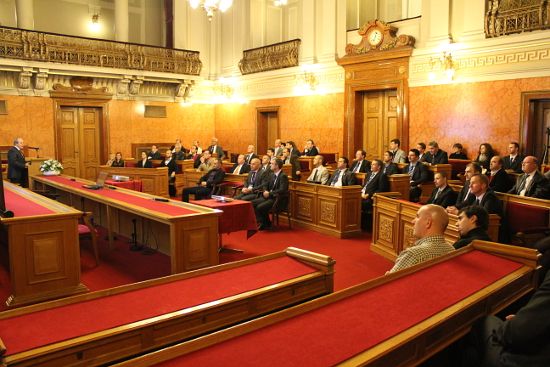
(307, 52)
(439, 22)
(473, 21)
(121, 20)
(180, 24)
(25, 14)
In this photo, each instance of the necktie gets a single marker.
(275, 181)
(411, 169)
(357, 167)
(237, 170)
(371, 177)
(477, 202)
(335, 178)
(315, 175)
(252, 177)
(437, 194)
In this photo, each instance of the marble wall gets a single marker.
(320, 118)
(470, 113)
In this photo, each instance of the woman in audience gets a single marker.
(458, 152)
(484, 156)
(144, 162)
(197, 146)
(118, 161)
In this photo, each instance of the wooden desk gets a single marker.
(428, 186)
(335, 211)
(42, 242)
(287, 278)
(154, 180)
(383, 322)
(392, 229)
(186, 232)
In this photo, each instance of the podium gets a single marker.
(34, 168)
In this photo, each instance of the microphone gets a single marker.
(35, 148)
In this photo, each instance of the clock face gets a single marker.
(375, 37)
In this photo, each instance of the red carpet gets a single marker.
(355, 263)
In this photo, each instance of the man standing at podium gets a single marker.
(17, 167)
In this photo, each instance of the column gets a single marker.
(307, 52)
(180, 24)
(326, 31)
(25, 14)
(121, 20)
(473, 21)
(439, 22)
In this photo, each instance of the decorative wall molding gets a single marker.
(277, 56)
(378, 35)
(513, 16)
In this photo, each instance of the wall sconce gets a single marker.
(94, 25)
(226, 92)
(443, 64)
(308, 81)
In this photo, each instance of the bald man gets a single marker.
(429, 225)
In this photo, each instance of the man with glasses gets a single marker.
(531, 183)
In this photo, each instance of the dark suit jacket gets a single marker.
(172, 166)
(420, 174)
(462, 194)
(16, 166)
(249, 157)
(118, 163)
(445, 198)
(218, 151)
(148, 164)
(515, 165)
(379, 183)
(365, 166)
(244, 169)
(475, 234)
(260, 180)
(348, 179)
(439, 158)
(525, 338)
(278, 188)
(390, 169)
(213, 177)
(311, 152)
(539, 187)
(295, 163)
(155, 155)
(458, 156)
(490, 202)
(500, 181)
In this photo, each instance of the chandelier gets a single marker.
(211, 6)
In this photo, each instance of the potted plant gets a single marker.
(51, 167)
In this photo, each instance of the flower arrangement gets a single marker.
(51, 165)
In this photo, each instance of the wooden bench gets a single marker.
(157, 313)
(154, 180)
(397, 320)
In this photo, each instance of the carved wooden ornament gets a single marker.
(377, 35)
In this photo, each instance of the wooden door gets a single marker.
(78, 141)
(379, 121)
(541, 130)
(267, 128)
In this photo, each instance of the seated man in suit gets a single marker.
(532, 183)
(342, 175)
(481, 195)
(203, 163)
(154, 153)
(471, 169)
(472, 224)
(418, 173)
(375, 181)
(250, 154)
(215, 149)
(399, 155)
(292, 159)
(429, 226)
(389, 168)
(522, 339)
(172, 170)
(498, 178)
(255, 182)
(435, 155)
(241, 166)
(277, 187)
(278, 148)
(206, 183)
(512, 161)
(360, 164)
(442, 194)
(17, 167)
(266, 163)
(422, 150)
(310, 149)
(319, 174)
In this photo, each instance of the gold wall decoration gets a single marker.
(377, 35)
(272, 57)
(515, 16)
(40, 46)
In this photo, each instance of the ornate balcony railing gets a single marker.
(513, 16)
(47, 47)
(277, 56)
